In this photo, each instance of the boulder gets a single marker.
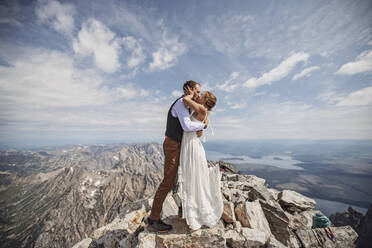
(130, 222)
(252, 180)
(300, 220)
(261, 192)
(234, 239)
(146, 240)
(274, 243)
(254, 238)
(238, 196)
(227, 167)
(256, 217)
(228, 212)
(113, 239)
(345, 237)
(295, 202)
(241, 215)
(181, 236)
(278, 221)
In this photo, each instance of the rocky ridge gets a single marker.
(362, 224)
(254, 216)
(60, 207)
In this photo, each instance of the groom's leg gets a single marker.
(171, 161)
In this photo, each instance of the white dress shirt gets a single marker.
(180, 110)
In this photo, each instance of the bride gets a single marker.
(199, 185)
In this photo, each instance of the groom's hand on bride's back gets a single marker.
(199, 133)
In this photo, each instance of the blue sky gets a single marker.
(102, 71)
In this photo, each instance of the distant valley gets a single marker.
(337, 171)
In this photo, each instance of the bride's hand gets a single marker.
(189, 91)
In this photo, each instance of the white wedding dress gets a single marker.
(199, 185)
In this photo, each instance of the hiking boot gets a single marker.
(157, 226)
(180, 212)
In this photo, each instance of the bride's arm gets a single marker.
(187, 100)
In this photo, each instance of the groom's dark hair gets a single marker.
(191, 84)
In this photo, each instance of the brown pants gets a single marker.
(171, 150)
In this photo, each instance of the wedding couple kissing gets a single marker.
(185, 162)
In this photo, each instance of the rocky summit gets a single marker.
(100, 196)
(254, 216)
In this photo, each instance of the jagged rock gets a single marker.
(365, 230)
(234, 239)
(278, 221)
(226, 193)
(228, 212)
(146, 240)
(229, 227)
(111, 239)
(361, 224)
(238, 196)
(252, 180)
(180, 237)
(84, 243)
(295, 202)
(130, 223)
(227, 167)
(274, 243)
(170, 207)
(261, 192)
(300, 220)
(345, 237)
(254, 238)
(237, 226)
(241, 215)
(275, 193)
(232, 177)
(351, 218)
(256, 217)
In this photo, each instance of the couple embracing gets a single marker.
(184, 155)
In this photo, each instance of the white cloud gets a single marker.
(363, 63)
(43, 91)
(177, 93)
(126, 93)
(296, 120)
(98, 40)
(137, 55)
(279, 72)
(330, 97)
(370, 42)
(362, 97)
(237, 105)
(260, 93)
(357, 98)
(305, 73)
(167, 55)
(230, 84)
(59, 16)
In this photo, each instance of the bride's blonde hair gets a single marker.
(211, 100)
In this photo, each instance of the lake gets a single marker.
(283, 161)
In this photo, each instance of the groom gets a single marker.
(178, 120)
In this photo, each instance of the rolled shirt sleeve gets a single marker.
(182, 112)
